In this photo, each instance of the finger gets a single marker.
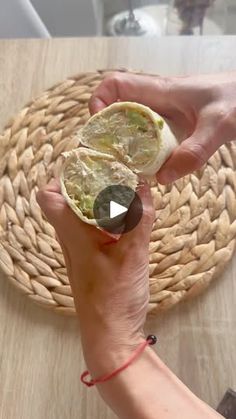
(96, 104)
(53, 185)
(151, 91)
(192, 153)
(69, 227)
(106, 93)
(141, 233)
(146, 222)
(55, 207)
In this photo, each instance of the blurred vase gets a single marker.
(197, 17)
(132, 22)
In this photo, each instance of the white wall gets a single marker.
(114, 6)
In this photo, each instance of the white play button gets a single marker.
(116, 209)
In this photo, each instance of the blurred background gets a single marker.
(60, 18)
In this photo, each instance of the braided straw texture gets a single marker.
(193, 236)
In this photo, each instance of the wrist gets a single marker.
(104, 360)
(107, 346)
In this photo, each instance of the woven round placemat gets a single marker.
(195, 229)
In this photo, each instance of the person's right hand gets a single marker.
(200, 109)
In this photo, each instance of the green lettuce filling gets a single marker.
(86, 205)
(105, 141)
(160, 123)
(137, 119)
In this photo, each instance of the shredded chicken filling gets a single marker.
(86, 176)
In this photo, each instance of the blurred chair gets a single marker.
(45, 18)
(71, 17)
(19, 19)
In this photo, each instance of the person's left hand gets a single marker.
(109, 279)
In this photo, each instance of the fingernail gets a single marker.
(98, 104)
(168, 176)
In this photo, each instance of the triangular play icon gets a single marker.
(116, 209)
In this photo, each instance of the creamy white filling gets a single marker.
(128, 133)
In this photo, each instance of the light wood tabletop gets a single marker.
(40, 352)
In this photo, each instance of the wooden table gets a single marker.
(40, 352)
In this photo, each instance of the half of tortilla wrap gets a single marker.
(119, 144)
(86, 173)
(133, 133)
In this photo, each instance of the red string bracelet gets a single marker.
(151, 340)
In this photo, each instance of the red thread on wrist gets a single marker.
(151, 340)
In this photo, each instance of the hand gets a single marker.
(109, 279)
(110, 288)
(200, 109)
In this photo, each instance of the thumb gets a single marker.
(141, 233)
(152, 91)
(70, 229)
(192, 153)
(56, 210)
